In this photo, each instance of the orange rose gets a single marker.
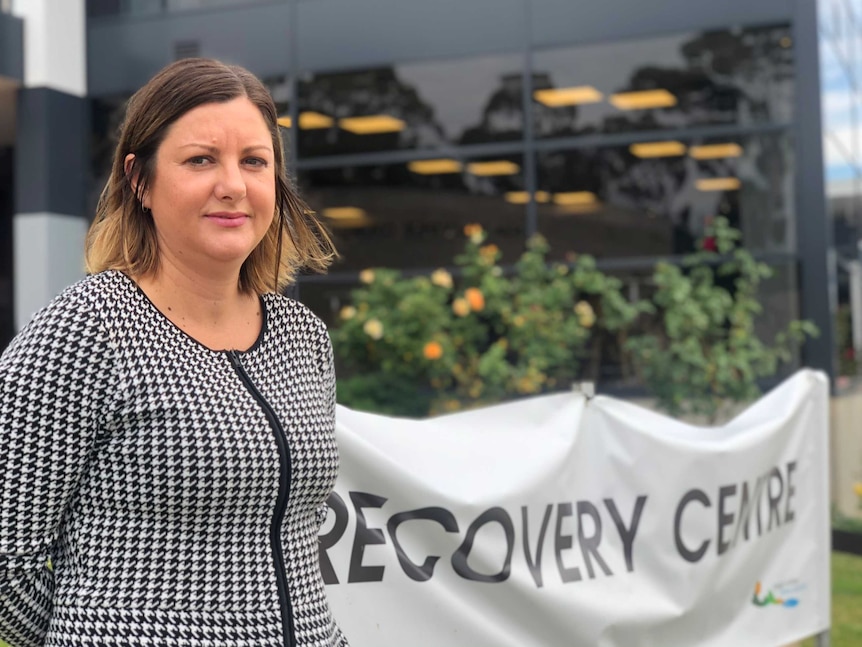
(433, 350)
(474, 232)
(475, 299)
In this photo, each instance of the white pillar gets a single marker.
(51, 160)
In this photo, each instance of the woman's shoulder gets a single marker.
(291, 316)
(84, 303)
(72, 319)
(89, 295)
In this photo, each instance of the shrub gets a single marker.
(703, 354)
(430, 344)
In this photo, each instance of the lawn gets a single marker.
(846, 601)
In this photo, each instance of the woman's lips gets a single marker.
(227, 219)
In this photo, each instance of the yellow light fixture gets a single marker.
(435, 166)
(344, 213)
(718, 184)
(347, 217)
(575, 198)
(372, 124)
(493, 168)
(556, 97)
(308, 120)
(715, 151)
(642, 100)
(658, 149)
(522, 197)
(311, 120)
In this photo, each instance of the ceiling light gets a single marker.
(435, 166)
(658, 149)
(522, 197)
(308, 120)
(372, 124)
(492, 168)
(556, 97)
(643, 100)
(575, 198)
(344, 213)
(715, 151)
(311, 120)
(718, 184)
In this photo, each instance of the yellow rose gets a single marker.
(857, 488)
(373, 328)
(367, 276)
(461, 307)
(441, 278)
(585, 313)
(348, 312)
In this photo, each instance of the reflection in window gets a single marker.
(97, 8)
(656, 198)
(417, 105)
(720, 77)
(413, 215)
(107, 114)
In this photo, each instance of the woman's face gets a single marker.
(212, 195)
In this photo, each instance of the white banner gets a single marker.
(560, 521)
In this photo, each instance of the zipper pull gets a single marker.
(233, 356)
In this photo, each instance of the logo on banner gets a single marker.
(781, 596)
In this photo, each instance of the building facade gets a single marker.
(617, 129)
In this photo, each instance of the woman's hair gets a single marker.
(123, 236)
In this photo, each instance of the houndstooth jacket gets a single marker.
(177, 491)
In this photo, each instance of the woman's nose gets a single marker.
(231, 183)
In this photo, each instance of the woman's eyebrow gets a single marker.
(215, 149)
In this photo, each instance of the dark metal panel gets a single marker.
(564, 22)
(123, 52)
(51, 152)
(814, 223)
(336, 34)
(11, 47)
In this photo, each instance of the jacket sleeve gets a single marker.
(327, 368)
(52, 381)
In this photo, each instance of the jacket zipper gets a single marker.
(281, 501)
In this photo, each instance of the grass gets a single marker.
(846, 602)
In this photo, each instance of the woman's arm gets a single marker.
(52, 383)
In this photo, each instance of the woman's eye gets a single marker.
(198, 160)
(256, 161)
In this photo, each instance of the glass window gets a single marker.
(719, 77)
(97, 8)
(412, 105)
(840, 114)
(655, 198)
(107, 115)
(413, 215)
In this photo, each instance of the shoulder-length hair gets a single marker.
(123, 235)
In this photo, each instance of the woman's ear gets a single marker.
(132, 177)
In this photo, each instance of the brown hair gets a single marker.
(123, 236)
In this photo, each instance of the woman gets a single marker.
(167, 422)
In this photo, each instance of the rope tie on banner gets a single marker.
(587, 389)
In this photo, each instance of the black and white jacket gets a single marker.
(177, 490)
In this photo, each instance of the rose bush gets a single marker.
(430, 344)
(419, 345)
